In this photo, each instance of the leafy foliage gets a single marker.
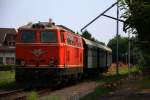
(138, 16)
(32, 95)
(123, 49)
(7, 80)
(88, 35)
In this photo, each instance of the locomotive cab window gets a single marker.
(48, 37)
(27, 36)
(70, 39)
(62, 37)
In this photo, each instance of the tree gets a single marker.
(138, 16)
(123, 49)
(86, 35)
(123, 45)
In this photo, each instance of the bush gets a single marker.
(32, 95)
(7, 67)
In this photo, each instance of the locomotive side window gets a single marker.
(69, 39)
(48, 37)
(27, 37)
(62, 37)
(79, 42)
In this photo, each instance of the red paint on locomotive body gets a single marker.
(53, 47)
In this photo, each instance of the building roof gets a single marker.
(7, 48)
(4, 32)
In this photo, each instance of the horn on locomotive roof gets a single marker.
(50, 23)
(38, 25)
(43, 24)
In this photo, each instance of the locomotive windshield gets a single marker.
(27, 36)
(48, 37)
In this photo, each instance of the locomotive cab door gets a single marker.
(67, 50)
(63, 41)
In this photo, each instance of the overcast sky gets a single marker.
(71, 13)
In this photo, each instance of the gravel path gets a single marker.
(73, 92)
(129, 90)
(126, 95)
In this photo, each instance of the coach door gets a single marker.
(89, 62)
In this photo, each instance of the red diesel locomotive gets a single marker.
(47, 52)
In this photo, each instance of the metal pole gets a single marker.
(117, 65)
(129, 53)
(114, 18)
(100, 15)
(126, 58)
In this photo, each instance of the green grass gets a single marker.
(7, 67)
(145, 82)
(7, 74)
(102, 89)
(8, 85)
(96, 94)
(32, 95)
(110, 78)
(7, 80)
(53, 98)
(125, 70)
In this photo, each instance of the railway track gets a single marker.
(21, 94)
(18, 94)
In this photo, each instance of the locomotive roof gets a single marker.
(40, 25)
(45, 25)
(95, 44)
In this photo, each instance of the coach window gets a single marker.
(27, 36)
(48, 37)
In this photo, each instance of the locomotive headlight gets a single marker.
(23, 62)
(51, 61)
